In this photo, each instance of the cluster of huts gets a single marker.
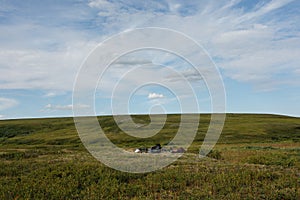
(159, 149)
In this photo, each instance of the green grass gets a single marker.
(257, 157)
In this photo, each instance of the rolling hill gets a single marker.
(257, 157)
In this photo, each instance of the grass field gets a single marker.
(257, 157)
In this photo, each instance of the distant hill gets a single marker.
(257, 157)
(238, 128)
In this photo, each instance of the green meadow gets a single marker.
(256, 157)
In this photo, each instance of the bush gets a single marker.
(215, 154)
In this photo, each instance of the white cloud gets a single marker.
(56, 93)
(36, 55)
(155, 96)
(41, 69)
(58, 107)
(6, 103)
(50, 94)
(65, 107)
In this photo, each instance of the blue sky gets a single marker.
(254, 44)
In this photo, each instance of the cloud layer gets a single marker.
(250, 44)
(255, 43)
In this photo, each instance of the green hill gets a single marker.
(257, 157)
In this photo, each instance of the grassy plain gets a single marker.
(257, 157)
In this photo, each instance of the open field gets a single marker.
(257, 157)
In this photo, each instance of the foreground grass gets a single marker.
(257, 157)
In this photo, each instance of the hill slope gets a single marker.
(257, 157)
(238, 128)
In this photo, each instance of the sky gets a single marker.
(255, 45)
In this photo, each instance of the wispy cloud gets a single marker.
(64, 107)
(35, 54)
(56, 93)
(41, 69)
(6, 103)
(185, 75)
(58, 107)
(132, 61)
(267, 8)
(50, 94)
(155, 96)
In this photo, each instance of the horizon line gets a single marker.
(143, 114)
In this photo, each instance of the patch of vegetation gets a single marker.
(9, 131)
(260, 148)
(272, 159)
(216, 154)
(279, 132)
